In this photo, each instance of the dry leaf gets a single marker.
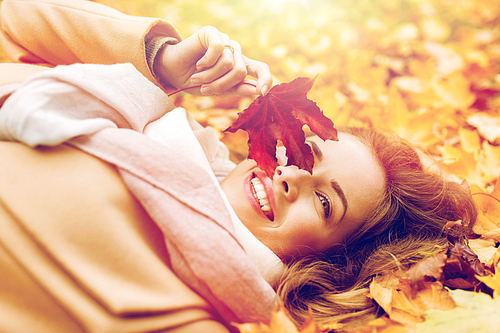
(280, 322)
(485, 249)
(431, 267)
(488, 208)
(492, 281)
(407, 304)
(475, 312)
(487, 125)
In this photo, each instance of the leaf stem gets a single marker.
(488, 195)
(183, 89)
(198, 86)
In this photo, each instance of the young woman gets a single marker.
(368, 204)
(405, 224)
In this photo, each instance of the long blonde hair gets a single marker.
(407, 226)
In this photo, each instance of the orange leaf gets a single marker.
(280, 322)
(492, 281)
(489, 210)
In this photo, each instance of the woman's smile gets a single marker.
(260, 193)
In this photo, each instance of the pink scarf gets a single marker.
(111, 106)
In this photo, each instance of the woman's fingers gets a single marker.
(218, 81)
(229, 71)
(213, 41)
(249, 87)
(260, 71)
(211, 60)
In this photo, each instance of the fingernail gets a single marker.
(199, 66)
(264, 90)
(195, 81)
(206, 91)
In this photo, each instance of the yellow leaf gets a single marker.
(475, 312)
(406, 304)
(478, 57)
(485, 249)
(492, 281)
(252, 328)
(448, 61)
(381, 289)
(487, 125)
(489, 162)
(397, 111)
(280, 322)
(435, 29)
(450, 154)
(469, 140)
(488, 209)
(382, 325)
(422, 69)
(364, 74)
(455, 91)
(493, 234)
(484, 224)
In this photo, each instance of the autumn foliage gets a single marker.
(280, 115)
(428, 70)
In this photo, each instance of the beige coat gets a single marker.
(62, 32)
(62, 271)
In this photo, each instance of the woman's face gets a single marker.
(297, 213)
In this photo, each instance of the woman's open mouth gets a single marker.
(261, 197)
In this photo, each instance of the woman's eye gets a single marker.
(325, 202)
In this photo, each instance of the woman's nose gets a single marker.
(289, 180)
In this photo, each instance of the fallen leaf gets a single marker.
(448, 61)
(280, 115)
(280, 322)
(469, 140)
(406, 304)
(455, 91)
(488, 209)
(492, 281)
(475, 312)
(483, 248)
(493, 235)
(431, 267)
(461, 268)
(382, 324)
(488, 126)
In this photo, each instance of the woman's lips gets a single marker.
(263, 184)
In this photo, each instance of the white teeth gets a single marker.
(261, 195)
(258, 186)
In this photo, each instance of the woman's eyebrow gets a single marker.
(335, 185)
(317, 152)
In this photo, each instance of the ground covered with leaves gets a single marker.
(428, 70)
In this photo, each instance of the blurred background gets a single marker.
(425, 69)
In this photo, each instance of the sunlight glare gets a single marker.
(277, 6)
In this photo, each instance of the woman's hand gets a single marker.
(210, 59)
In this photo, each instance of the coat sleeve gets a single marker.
(60, 32)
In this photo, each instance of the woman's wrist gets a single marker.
(155, 48)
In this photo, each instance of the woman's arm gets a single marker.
(59, 32)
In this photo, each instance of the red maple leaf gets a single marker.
(280, 115)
